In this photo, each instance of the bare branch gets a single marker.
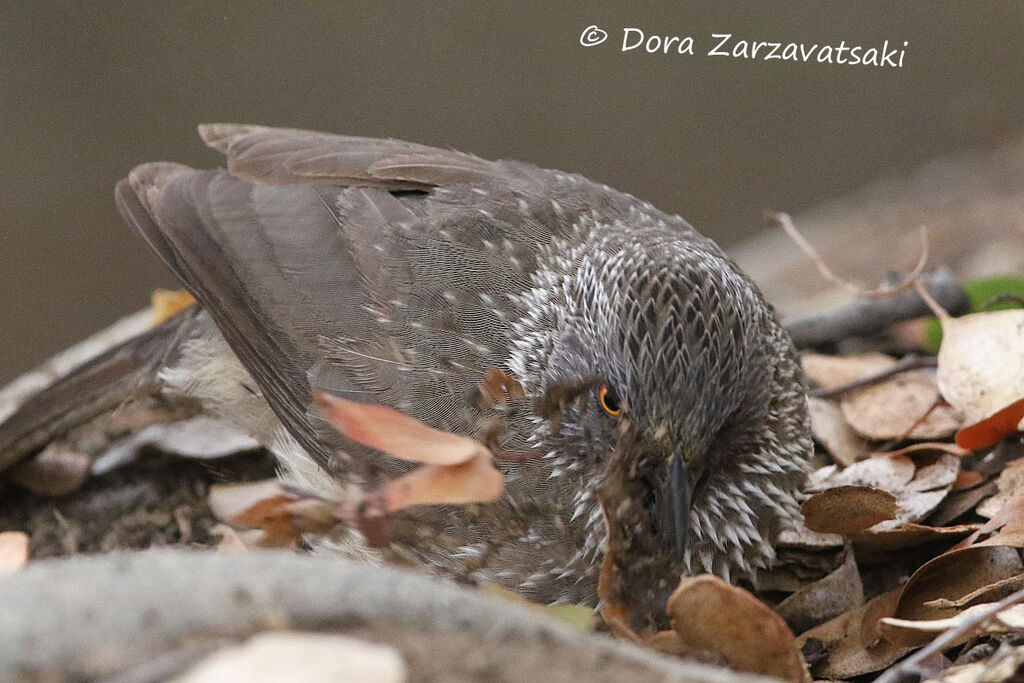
(782, 219)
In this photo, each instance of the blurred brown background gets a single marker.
(89, 89)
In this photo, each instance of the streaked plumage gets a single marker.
(387, 272)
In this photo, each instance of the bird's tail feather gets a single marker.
(98, 385)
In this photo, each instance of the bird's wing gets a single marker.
(369, 268)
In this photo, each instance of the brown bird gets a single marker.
(663, 401)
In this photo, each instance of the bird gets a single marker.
(660, 402)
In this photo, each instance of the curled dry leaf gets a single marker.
(848, 509)
(397, 434)
(709, 615)
(990, 593)
(980, 364)
(851, 645)
(833, 432)
(992, 430)
(13, 551)
(951, 576)
(1009, 484)
(476, 481)
(457, 469)
(918, 489)
(914, 633)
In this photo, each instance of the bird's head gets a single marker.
(668, 388)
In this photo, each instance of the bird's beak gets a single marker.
(674, 508)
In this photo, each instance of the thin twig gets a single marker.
(909, 362)
(911, 665)
(941, 313)
(782, 219)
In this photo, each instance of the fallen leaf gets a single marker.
(13, 551)
(967, 480)
(914, 633)
(991, 593)
(993, 429)
(390, 431)
(227, 501)
(980, 364)
(890, 473)
(1010, 483)
(848, 509)
(950, 576)
(876, 544)
(833, 432)
(709, 615)
(851, 644)
(832, 371)
(476, 481)
(838, 592)
(894, 408)
(577, 617)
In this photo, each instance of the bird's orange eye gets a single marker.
(610, 401)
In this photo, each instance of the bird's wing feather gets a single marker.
(289, 156)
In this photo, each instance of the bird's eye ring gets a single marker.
(610, 401)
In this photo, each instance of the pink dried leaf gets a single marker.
(476, 481)
(394, 433)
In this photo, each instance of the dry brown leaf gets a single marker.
(877, 544)
(980, 364)
(476, 481)
(227, 501)
(390, 431)
(991, 593)
(284, 519)
(918, 490)
(914, 633)
(457, 469)
(1008, 524)
(13, 551)
(838, 592)
(848, 509)
(851, 642)
(889, 472)
(894, 408)
(709, 615)
(1010, 483)
(832, 371)
(951, 576)
(833, 432)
